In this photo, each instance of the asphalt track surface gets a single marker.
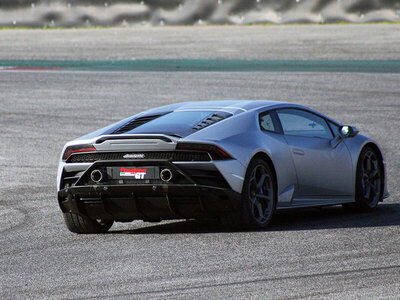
(303, 254)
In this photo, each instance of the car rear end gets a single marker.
(149, 177)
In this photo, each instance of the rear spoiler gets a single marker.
(134, 137)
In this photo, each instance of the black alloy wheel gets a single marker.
(259, 194)
(368, 181)
(258, 199)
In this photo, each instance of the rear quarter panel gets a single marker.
(241, 137)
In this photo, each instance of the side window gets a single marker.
(268, 122)
(301, 123)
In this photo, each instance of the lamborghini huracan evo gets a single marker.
(237, 161)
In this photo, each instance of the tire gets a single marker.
(80, 224)
(369, 178)
(258, 198)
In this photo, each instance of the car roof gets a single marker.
(226, 104)
(232, 106)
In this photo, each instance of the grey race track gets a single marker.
(304, 254)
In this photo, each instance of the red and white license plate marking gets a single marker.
(137, 173)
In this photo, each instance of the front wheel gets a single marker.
(81, 224)
(368, 181)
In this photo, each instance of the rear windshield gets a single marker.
(177, 122)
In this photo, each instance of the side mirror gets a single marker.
(347, 131)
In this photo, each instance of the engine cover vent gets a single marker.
(214, 118)
(136, 123)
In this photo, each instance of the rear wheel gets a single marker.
(368, 181)
(81, 224)
(258, 198)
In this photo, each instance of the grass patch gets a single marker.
(209, 65)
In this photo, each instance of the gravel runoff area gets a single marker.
(304, 254)
(328, 42)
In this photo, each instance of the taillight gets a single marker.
(216, 152)
(77, 148)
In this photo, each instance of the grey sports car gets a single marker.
(238, 161)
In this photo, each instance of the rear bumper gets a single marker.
(148, 202)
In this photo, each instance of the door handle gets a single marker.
(298, 151)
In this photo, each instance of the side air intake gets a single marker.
(214, 118)
(136, 123)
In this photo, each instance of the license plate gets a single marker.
(140, 173)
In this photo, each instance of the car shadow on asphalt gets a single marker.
(335, 217)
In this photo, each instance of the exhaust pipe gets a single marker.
(96, 176)
(166, 175)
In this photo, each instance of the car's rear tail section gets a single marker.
(149, 177)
